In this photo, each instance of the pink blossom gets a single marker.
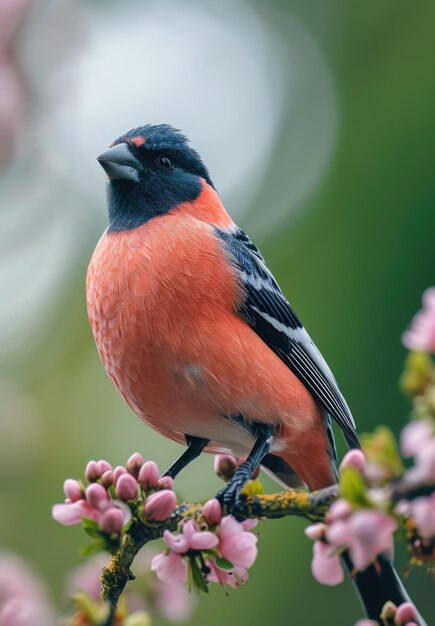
(237, 545)
(73, 490)
(405, 613)
(170, 568)
(190, 538)
(112, 521)
(204, 540)
(366, 622)
(97, 496)
(370, 534)
(212, 512)
(354, 458)
(421, 334)
(160, 505)
(126, 487)
(415, 435)
(134, 464)
(325, 566)
(422, 511)
(149, 475)
(70, 513)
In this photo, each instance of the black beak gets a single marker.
(119, 163)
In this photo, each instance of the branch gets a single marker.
(114, 577)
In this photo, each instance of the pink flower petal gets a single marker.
(72, 513)
(204, 540)
(170, 568)
(326, 567)
(415, 435)
(177, 543)
(229, 526)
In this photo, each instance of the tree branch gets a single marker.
(114, 577)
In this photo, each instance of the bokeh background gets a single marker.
(317, 122)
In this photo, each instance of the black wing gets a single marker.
(269, 314)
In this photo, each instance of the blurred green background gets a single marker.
(331, 127)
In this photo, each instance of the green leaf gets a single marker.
(198, 579)
(381, 449)
(93, 548)
(91, 528)
(223, 563)
(353, 488)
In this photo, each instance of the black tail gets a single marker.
(377, 585)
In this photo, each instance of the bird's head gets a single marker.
(151, 170)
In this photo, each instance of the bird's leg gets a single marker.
(229, 496)
(195, 445)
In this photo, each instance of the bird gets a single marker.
(198, 338)
(192, 327)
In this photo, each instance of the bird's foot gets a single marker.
(231, 497)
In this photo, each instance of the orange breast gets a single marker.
(162, 306)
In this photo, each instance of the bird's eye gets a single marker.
(164, 162)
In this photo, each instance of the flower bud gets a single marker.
(103, 466)
(354, 458)
(107, 479)
(149, 475)
(112, 521)
(91, 471)
(73, 490)
(212, 512)
(388, 611)
(225, 466)
(316, 532)
(126, 487)
(165, 482)
(134, 464)
(405, 613)
(117, 472)
(160, 505)
(97, 496)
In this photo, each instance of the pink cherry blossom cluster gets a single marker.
(221, 550)
(418, 441)
(421, 334)
(403, 615)
(363, 532)
(106, 497)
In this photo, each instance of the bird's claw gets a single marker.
(231, 497)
